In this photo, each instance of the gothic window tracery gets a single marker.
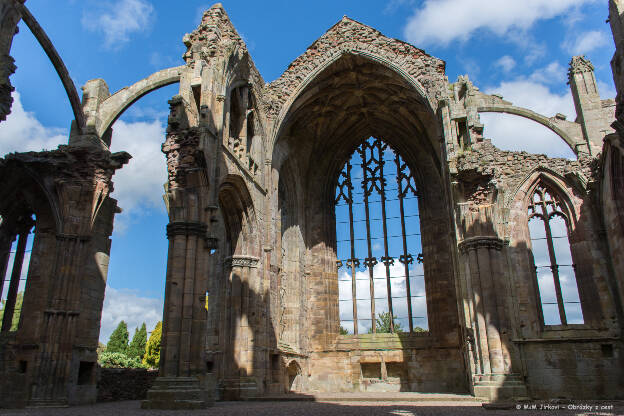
(380, 262)
(15, 247)
(554, 267)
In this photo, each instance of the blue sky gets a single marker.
(520, 49)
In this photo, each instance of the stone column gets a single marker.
(182, 350)
(181, 298)
(481, 253)
(239, 382)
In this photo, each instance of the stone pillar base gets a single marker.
(239, 388)
(499, 387)
(173, 393)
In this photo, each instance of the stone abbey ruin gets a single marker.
(505, 270)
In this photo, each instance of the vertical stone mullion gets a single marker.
(9, 307)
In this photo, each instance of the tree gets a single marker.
(118, 341)
(152, 349)
(19, 299)
(136, 349)
(383, 324)
(343, 331)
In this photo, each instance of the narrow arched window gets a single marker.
(380, 263)
(554, 267)
(15, 247)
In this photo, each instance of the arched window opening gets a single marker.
(380, 262)
(14, 269)
(554, 267)
(244, 141)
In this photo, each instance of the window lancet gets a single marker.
(15, 242)
(554, 267)
(380, 261)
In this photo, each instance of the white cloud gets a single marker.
(553, 73)
(119, 20)
(586, 42)
(506, 63)
(462, 18)
(534, 50)
(139, 184)
(509, 132)
(141, 113)
(535, 96)
(127, 305)
(606, 90)
(22, 132)
(399, 295)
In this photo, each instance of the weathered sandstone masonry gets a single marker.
(251, 197)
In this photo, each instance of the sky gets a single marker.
(519, 49)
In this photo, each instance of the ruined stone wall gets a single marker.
(9, 18)
(115, 384)
(252, 171)
(67, 190)
(388, 362)
(574, 369)
(612, 207)
(546, 352)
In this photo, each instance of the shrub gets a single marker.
(119, 360)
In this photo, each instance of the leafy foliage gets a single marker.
(343, 331)
(152, 349)
(383, 324)
(19, 299)
(119, 360)
(118, 341)
(136, 348)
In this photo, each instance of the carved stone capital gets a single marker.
(186, 228)
(475, 243)
(241, 261)
(182, 151)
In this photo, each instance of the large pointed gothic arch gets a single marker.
(424, 73)
(352, 93)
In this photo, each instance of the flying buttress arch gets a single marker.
(114, 106)
(576, 144)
